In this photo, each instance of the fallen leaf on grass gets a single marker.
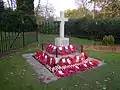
(24, 70)
(105, 80)
(113, 72)
(97, 82)
(11, 56)
(108, 78)
(11, 73)
(23, 73)
(13, 65)
(6, 79)
(76, 85)
(33, 74)
(85, 84)
(104, 88)
(61, 89)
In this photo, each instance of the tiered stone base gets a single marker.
(67, 63)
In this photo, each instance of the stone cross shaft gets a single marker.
(62, 20)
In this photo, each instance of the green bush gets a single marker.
(108, 40)
(111, 40)
(105, 40)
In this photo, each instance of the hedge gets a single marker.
(90, 29)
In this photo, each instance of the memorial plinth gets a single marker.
(61, 41)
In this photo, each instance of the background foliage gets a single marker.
(81, 23)
(94, 29)
(27, 6)
(16, 20)
(86, 28)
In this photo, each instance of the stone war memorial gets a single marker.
(60, 59)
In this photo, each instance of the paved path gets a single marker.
(43, 73)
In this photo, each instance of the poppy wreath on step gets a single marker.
(62, 62)
(74, 70)
(41, 57)
(90, 64)
(69, 61)
(45, 58)
(78, 59)
(62, 73)
(84, 54)
(83, 67)
(38, 55)
(95, 62)
(53, 51)
(51, 61)
(72, 48)
(61, 50)
(49, 48)
(66, 61)
(67, 51)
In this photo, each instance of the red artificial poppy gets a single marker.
(72, 48)
(62, 62)
(61, 51)
(62, 73)
(51, 61)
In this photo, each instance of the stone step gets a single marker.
(43, 73)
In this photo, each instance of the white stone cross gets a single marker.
(62, 20)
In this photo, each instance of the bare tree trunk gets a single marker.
(85, 8)
(37, 12)
(8, 3)
(38, 7)
(46, 10)
(94, 9)
(104, 14)
(12, 4)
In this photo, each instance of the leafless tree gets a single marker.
(45, 11)
(83, 4)
(8, 2)
(11, 4)
(37, 8)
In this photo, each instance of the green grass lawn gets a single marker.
(45, 38)
(17, 74)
